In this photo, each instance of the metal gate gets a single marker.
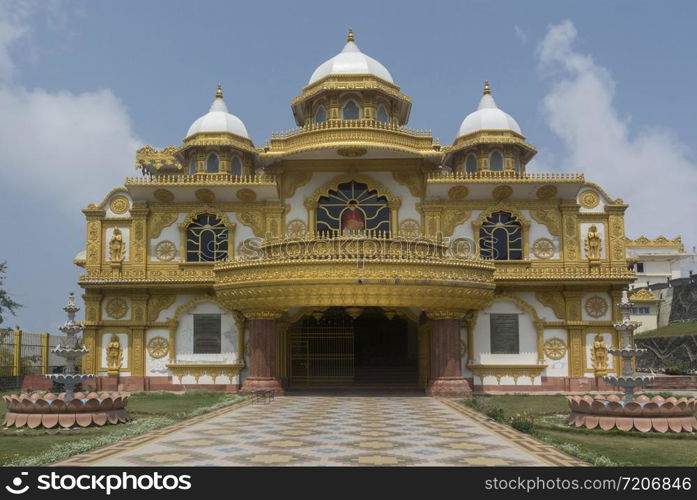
(321, 355)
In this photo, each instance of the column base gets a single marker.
(252, 384)
(449, 387)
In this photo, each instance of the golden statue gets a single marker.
(599, 356)
(114, 355)
(593, 243)
(116, 246)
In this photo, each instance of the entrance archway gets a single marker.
(353, 348)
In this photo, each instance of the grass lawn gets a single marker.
(148, 411)
(594, 446)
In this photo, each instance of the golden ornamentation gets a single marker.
(296, 228)
(502, 192)
(159, 303)
(117, 308)
(550, 218)
(158, 347)
(163, 195)
(116, 246)
(589, 199)
(546, 192)
(462, 247)
(451, 218)
(514, 371)
(159, 221)
(224, 180)
(553, 300)
(119, 205)
(293, 180)
(593, 243)
(152, 159)
(599, 356)
(555, 348)
(596, 306)
(248, 249)
(661, 241)
(643, 295)
(543, 248)
(372, 184)
(410, 228)
(458, 192)
(412, 180)
(493, 176)
(351, 152)
(205, 195)
(246, 195)
(165, 250)
(213, 370)
(253, 219)
(617, 238)
(114, 355)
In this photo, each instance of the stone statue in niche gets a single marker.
(114, 355)
(599, 356)
(116, 246)
(593, 243)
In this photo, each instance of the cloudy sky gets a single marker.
(603, 88)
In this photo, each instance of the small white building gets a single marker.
(656, 261)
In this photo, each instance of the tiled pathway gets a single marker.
(330, 430)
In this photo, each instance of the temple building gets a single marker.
(353, 251)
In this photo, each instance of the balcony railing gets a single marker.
(348, 124)
(209, 179)
(504, 175)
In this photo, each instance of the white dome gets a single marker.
(218, 119)
(488, 117)
(351, 61)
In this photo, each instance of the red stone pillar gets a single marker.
(446, 374)
(262, 357)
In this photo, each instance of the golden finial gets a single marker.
(487, 89)
(219, 92)
(350, 37)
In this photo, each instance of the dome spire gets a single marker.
(219, 92)
(487, 89)
(350, 37)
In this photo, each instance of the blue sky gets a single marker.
(605, 88)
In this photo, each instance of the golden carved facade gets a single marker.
(428, 262)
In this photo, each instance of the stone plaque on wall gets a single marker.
(504, 333)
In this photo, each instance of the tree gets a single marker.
(7, 305)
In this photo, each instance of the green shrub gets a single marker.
(472, 403)
(522, 422)
(678, 369)
(496, 413)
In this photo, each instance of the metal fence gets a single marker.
(24, 353)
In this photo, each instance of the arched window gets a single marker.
(206, 239)
(352, 207)
(501, 237)
(471, 164)
(320, 115)
(351, 111)
(517, 165)
(212, 164)
(192, 165)
(236, 166)
(496, 161)
(382, 115)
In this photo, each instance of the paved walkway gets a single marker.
(331, 430)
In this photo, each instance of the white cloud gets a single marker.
(649, 168)
(59, 142)
(520, 34)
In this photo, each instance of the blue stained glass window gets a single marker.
(501, 237)
(236, 166)
(496, 161)
(320, 115)
(352, 207)
(212, 164)
(471, 164)
(192, 166)
(351, 111)
(382, 115)
(206, 239)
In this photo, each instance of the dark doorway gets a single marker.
(385, 350)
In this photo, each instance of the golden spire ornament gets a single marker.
(350, 37)
(487, 89)
(219, 92)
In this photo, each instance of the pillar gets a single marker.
(17, 355)
(446, 373)
(263, 331)
(44, 353)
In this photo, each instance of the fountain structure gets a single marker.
(68, 408)
(641, 413)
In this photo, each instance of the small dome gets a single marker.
(488, 117)
(218, 119)
(351, 61)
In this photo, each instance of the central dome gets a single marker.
(351, 61)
